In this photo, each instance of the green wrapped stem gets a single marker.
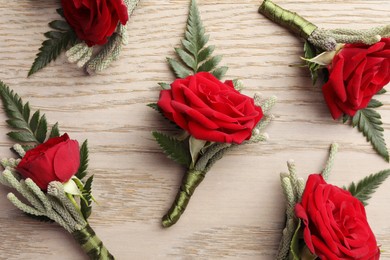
(290, 20)
(91, 244)
(189, 183)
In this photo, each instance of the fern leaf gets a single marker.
(55, 131)
(30, 130)
(86, 203)
(51, 48)
(194, 56)
(368, 121)
(82, 171)
(366, 187)
(173, 148)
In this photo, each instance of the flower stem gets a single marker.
(91, 244)
(290, 20)
(189, 183)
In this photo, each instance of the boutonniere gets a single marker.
(50, 174)
(355, 66)
(92, 32)
(327, 222)
(213, 116)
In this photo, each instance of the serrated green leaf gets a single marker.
(164, 85)
(60, 11)
(366, 187)
(34, 122)
(220, 72)
(210, 64)
(60, 25)
(86, 203)
(310, 52)
(194, 55)
(42, 129)
(369, 123)
(52, 47)
(26, 111)
(346, 117)
(180, 70)
(173, 148)
(17, 123)
(206, 52)
(82, 171)
(154, 106)
(26, 137)
(55, 131)
(380, 92)
(186, 58)
(374, 103)
(18, 114)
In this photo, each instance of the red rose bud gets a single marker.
(210, 109)
(357, 73)
(94, 21)
(335, 222)
(57, 159)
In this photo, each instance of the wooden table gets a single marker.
(238, 211)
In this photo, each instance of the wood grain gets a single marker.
(237, 212)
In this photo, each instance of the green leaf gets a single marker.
(31, 130)
(42, 129)
(174, 148)
(374, 103)
(345, 118)
(55, 131)
(310, 52)
(369, 123)
(380, 92)
(60, 25)
(164, 85)
(34, 122)
(295, 244)
(154, 106)
(82, 171)
(210, 64)
(194, 56)
(220, 72)
(86, 203)
(51, 48)
(25, 137)
(180, 70)
(366, 187)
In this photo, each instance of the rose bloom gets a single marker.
(210, 109)
(357, 73)
(57, 159)
(335, 223)
(94, 21)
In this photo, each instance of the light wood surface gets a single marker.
(238, 210)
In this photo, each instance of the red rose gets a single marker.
(335, 223)
(94, 21)
(58, 159)
(209, 109)
(357, 73)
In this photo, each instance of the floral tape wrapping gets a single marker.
(91, 244)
